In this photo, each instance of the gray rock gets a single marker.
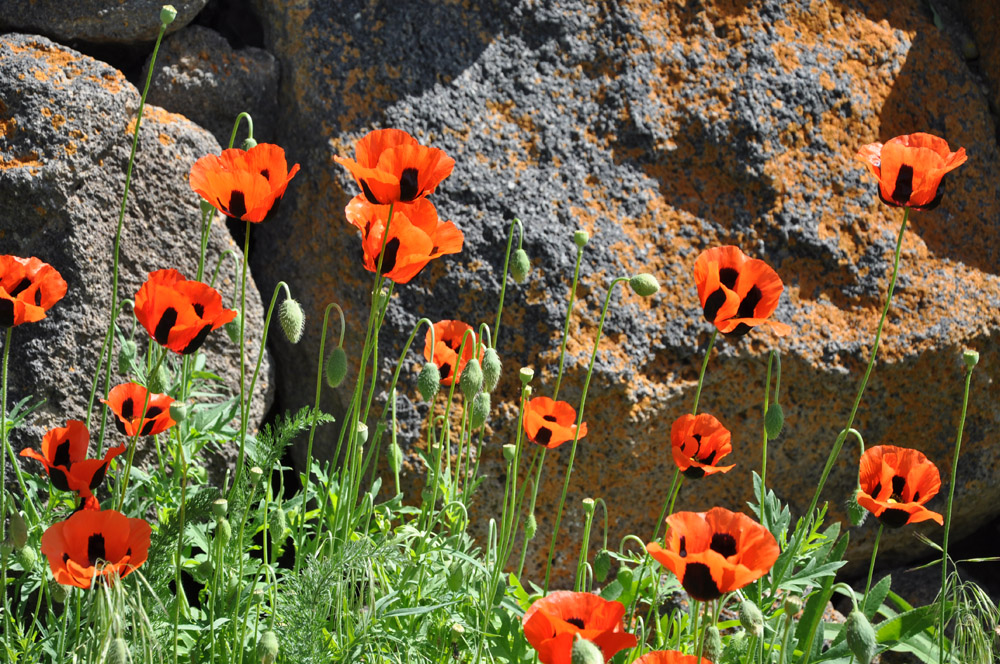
(200, 75)
(99, 21)
(66, 125)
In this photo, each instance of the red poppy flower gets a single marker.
(416, 236)
(179, 313)
(391, 167)
(737, 292)
(896, 483)
(92, 544)
(126, 399)
(243, 184)
(715, 552)
(910, 169)
(698, 442)
(669, 657)
(28, 289)
(448, 336)
(551, 423)
(551, 622)
(64, 452)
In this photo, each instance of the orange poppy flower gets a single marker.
(391, 167)
(910, 169)
(737, 292)
(551, 622)
(715, 552)
(698, 442)
(125, 399)
(896, 483)
(551, 423)
(64, 452)
(179, 313)
(448, 336)
(669, 657)
(243, 184)
(28, 289)
(95, 544)
(416, 236)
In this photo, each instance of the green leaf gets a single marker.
(908, 624)
(876, 596)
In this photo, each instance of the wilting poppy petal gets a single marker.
(243, 184)
(896, 483)
(551, 423)
(179, 313)
(550, 623)
(126, 400)
(737, 292)
(95, 544)
(910, 169)
(715, 552)
(698, 442)
(669, 657)
(448, 335)
(28, 289)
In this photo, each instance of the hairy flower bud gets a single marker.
(18, 530)
(602, 565)
(751, 618)
(792, 605)
(126, 356)
(644, 284)
(480, 410)
(267, 647)
(856, 514)
(159, 380)
(223, 531)
(520, 266)
(233, 328)
(395, 457)
(861, 638)
(774, 420)
(456, 575)
(335, 369)
(292, 319)
(278, 527)
(530, 527)
(429, 381)
(471, 380)
(58, 592)
(117, 651)
(713, 644)
(249, 143)
(585, 652)
(491, 369)
(27, 557)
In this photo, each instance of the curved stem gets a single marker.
(236, 125)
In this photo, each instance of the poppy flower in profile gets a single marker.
(551, 423)
(179, 313)
(416, 236)
(391, 167)
(716, 552)
(911, 168)
(94, 544)
(737, 292)
(698, 443)
(896, 483)
(550, 623)
(243, 184)
(669, 657)
(64, 455)
(448, 336)
(28, 289)
(126, 400)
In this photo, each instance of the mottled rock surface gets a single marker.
(663, 128)
(200, 75)
(97, 21)
(66, 124)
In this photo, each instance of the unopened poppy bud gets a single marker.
(751, 618)
(223, 531)
(602, 565)
(267, 647)
(256, 473)
(792, 605)
(861, 637)
(491, 369)
(855, 512)
(774, 420)
(27, 557)
(472, 379)
(118, 650)
(58, 592)
(179, 411)
(167, 14)
(362, 435)
(644, 284)
(336, 367)
(520, 265)
(220, 507)
(588, 506)
(206, 569)
(530, 527)
(126, 356)
(292, 319)
(429, 381)
(526, 374)
(159, 381)
(395, 457)
(233, 328)
(581, 238)
(18, 530)
(971, 358)
(713, 644)
(278, 526)
(585, 652)
(480, 410)
(249, 143)
(508, 452)
(455, 576)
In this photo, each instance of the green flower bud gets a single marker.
(58, 592)
(159, 381)
(18, 530)
(471, 380)
(167, 14)
(491, 369)
(395, 457)
(855, 512)
(206, 570)
(117, 652)
(585, 652)
(278, 526)
(27, 557)
(292, 319)
(644, 284)
(508, 452)
(126, 356)
(233, 328)
(526, 374)
(520, 266)
(530, 527)
(712, 650)
(861, 637)
(267, 647)
(774, 420)
(256, 473)
(751, 618)
(335, 369)
(581, 238)
(588, 506)
(249, 143)
(429, 381)
(602, 565)
(179, 411)
(971, 358)
(223, 531)
(480, 410)
(456, 576)
(220, 507)
(792, 605)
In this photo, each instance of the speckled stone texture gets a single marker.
(662, 128)
(97, 21)
(66, 124)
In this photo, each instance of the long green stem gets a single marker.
(8, 620)
(134, 441)
(244, 415)
(871, 565)
(763, 444)
(701, 374)
(569, 313)
(503, 280)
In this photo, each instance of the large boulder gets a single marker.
(663, 128)
(96, 21)
(66, 124)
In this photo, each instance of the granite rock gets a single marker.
(96, 21)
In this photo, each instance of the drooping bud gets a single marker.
(336, 367)
(855, 512)
(471, 380)
(233, 328)
(206, 569)
(585, 652)
(526, 374)
(602, 565)
(179, 411)
(508, 452)
(249, 143)
(292, 319)
(27, 557)
(126, 356)
(644, 284)
(774, 420)
(751, 618)
(223, 531)
(395, 457)
(267, 647)
(971, 358)
(530, 527)
(220, 507)
(520, 266)
(429, 381)
(861, 637)
(167, 14)
(58, 592)
(278, 526)
(713, 644)
(159, 381)
(491, 369)
(480, 410)
(456, 575)
(581, 238)
(18, 530)
(118, 650)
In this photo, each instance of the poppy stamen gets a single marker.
(61, 457)
(699, 583)
(95, 549)
(578, 622)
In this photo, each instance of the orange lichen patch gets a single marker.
(165, 140)
(157, 115)
(58, 120)
(20, 161)
(7, 126)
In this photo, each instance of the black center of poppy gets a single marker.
(237, 204)
(95, 548)
(723, 544)
(694, 472)
(128, 408)
(894, 517)
(21, 287)
(389, 256)
(898, 484)
(543, 436)
(59, 479)
(266, 173)
(199, 309)
(739, 331)
(904, 185)
(6, 312)
(369, 195)
(578, 622)
(713, 303)
(98, 477)
(445, 369)
(61, 457)
(198, 340)
(153, 411)
(728, 276)
(148, 427)
(749, 303)
(549, 418)
(699, 584)
(683, 550)
(408, 184)
(167, 322)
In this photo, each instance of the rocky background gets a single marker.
(662, 128)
